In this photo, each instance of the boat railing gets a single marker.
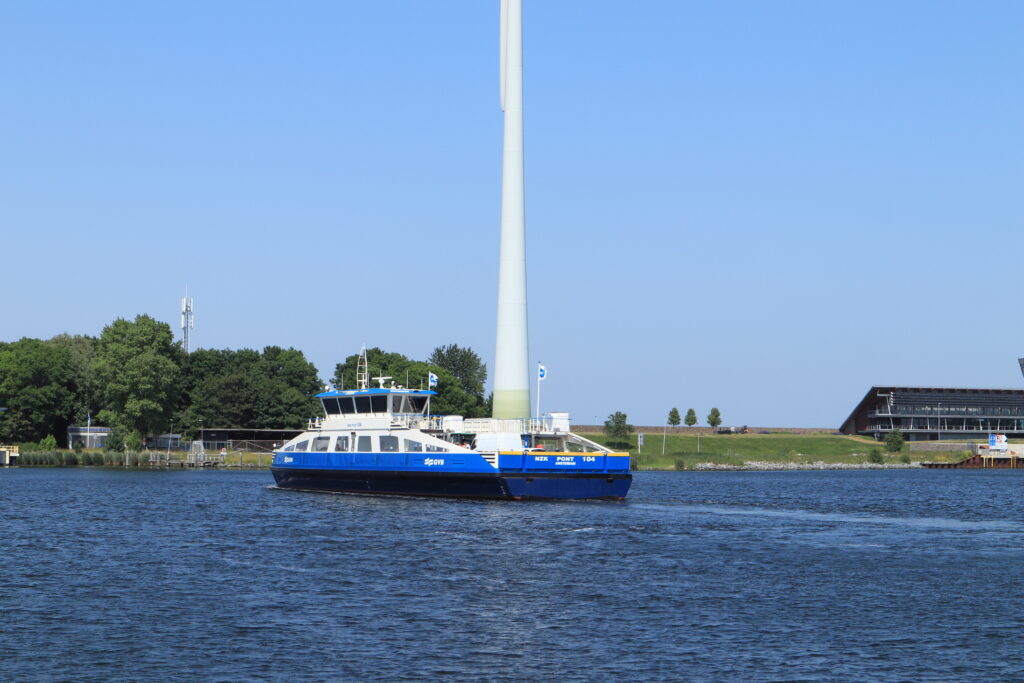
(549, 425)
(533, 425)
(479, 425)
(490, 425)
(416, 421)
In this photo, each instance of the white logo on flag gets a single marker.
(431, 379)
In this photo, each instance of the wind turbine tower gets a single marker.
(187, 320)
(511, 358)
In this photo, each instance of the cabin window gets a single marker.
(345, 405)
(431, 448)
(301, 446)
(290, 447)
(320, 444)
(362, 404)
(341, 444)
(388, 444)
(379, 404)
(417, 404)
(363, 445)
(396, 404)
(330, 406)
(413, 446)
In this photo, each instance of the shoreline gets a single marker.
(765, 466)
(762, 466)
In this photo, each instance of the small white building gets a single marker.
(8, 456)
(88, 437)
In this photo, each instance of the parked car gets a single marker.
(733, 430)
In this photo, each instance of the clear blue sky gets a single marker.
(760, 206)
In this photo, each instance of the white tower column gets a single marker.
(511, 359)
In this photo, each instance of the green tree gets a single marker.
(81, 350)
(464, 364)
(230, 400)
(287, 387)
(275, 389)
(48, 443)
(714, 418)
(37, 386)
(617, 428)
(289, 367)
(691, 418)
(894, 441)
(136, 370)
(133, 442)
(673, 417)
(115, 439)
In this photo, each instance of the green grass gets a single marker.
(735, 449)
(249, 460)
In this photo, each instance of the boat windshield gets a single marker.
(377, 404)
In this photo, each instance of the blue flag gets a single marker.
(431, 379)
(542, 371)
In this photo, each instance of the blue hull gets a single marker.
(495, 486)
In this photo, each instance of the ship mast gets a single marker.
(511, 358)
(362, 371)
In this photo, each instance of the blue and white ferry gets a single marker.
(383, 440)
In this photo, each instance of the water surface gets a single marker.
(835, 575)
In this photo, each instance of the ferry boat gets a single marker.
(383, 440)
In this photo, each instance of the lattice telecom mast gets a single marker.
(187, 320)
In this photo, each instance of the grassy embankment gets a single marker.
(736, 449)
(680, 452)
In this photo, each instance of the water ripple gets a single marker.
(155, 576)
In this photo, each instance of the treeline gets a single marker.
(137, 380)
(714, 418)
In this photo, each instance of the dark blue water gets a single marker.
(157, 576)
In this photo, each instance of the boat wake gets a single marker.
(943, 523)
